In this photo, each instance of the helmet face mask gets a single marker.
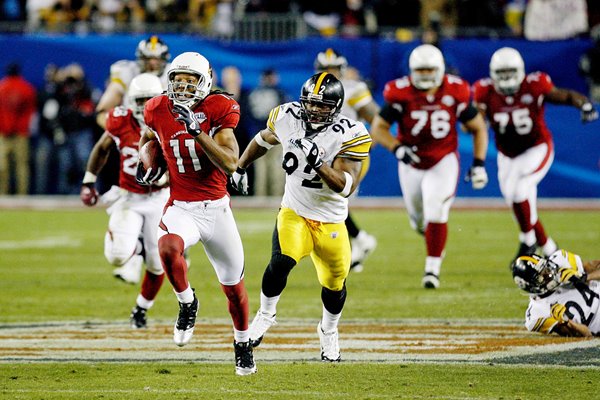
(190, 79)
(535, 274)
(141, 89)
(321, 100)
(427, 67)
(507, 70)
(152, 55)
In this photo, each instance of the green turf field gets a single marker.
(53, 274)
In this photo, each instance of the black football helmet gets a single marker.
(321, 100)
(152, 49)
(535, 274)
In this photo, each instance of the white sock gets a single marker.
(550, 247)
(433, 265)
(187, 296)
(329, 322)
(527, 237)
(241, 336)
(143, 302)
(268, 305)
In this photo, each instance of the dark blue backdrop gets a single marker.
(575, 172)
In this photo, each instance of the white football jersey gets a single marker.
(582, 303)
(123, 72)
(305, 192)
(356, 96)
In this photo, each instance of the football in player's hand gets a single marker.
(151, 156)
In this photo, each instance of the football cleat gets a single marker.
(244, 359)
(260, 324)
(362, 245)
(186, 320)
(137, 319)
(130, 271)
(523, 250)
(330, 347)
(430, 281)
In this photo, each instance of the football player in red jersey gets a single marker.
(131, 237)
(427, 106)
(513, 102)
(195, 129)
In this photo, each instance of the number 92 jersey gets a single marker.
(305, 192)
(582, 303)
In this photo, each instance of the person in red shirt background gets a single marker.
(18, 104)
(513, 102)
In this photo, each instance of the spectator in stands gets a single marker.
(75, 137)
(589, 65)
(18, 104)
(397, 13)
(555, 19)
(269, 177)
(480, 13)
(324, 16)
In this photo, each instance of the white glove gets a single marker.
(588, 113)
(478, 177)
(239, 180)
(407, 154)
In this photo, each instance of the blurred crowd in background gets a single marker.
(533, 19)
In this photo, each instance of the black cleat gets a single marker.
(244, 359)
(137, 319)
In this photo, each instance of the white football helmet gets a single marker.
(142, 88)
(185, 93)
(507, 70)
(330, 59)
(152, 55)
(426, 57)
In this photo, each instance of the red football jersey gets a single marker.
(428, 122)
(122, 126)
(517, 120)
(193, 177)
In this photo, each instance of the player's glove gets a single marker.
(239, 181)
(187, 116)
(88, 194)
(588, 112)
(477, 174)
(558, 312)
(148, 177)
(406, 154)
(310, 150)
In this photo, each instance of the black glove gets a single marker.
(406, 154)
(588, 112)
(310, 150)
(187, 116)
(239, 181)
(148, 177)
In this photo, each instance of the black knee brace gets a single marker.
(275, 276)
(332, 300)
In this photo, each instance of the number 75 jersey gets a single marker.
(582, 303)
(305, 192)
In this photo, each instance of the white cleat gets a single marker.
(330, 347)
(184, 327)
(260, 324)
(362, 245)
(131, 271)
(430, 281)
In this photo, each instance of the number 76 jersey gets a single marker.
(305, 192)
(582, 303)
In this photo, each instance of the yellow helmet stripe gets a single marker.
(528, 258)
(153, 42)
(319, 82)
(329, 54)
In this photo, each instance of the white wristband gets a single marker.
(262, 142)
(348, 186)
(89, 177)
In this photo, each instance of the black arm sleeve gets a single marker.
(390, 114)
(469, 113)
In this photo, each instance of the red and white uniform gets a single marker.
(523, 140)
(199, 209)
(138, 208)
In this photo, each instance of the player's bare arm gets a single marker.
(571, 328)
(592, 269)
(336, 176)
(478, 128)
(258, 147)
(147, 135)
(222, 150)
(380, 133)
(566, 96)
(112, 97)
(369, 111)
(99, 154)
